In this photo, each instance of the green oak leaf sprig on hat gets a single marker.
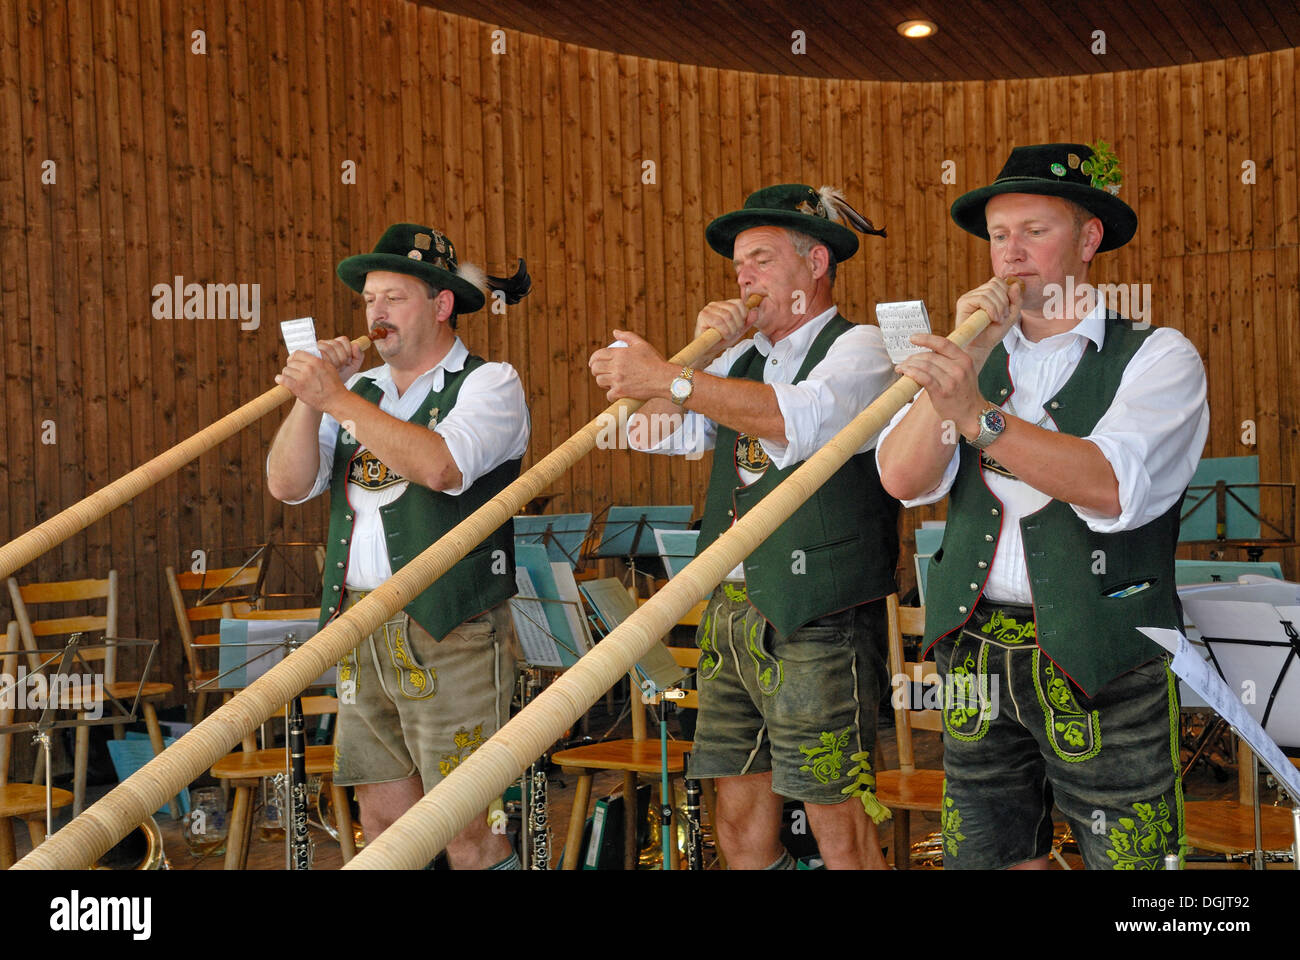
(428, 254)
(1103, 167)
(1086, 174)
(823, 214)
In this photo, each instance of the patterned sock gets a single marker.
(783, 862)
(509, 863)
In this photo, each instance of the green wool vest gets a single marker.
(1073, 571)
(479, 581)
(838, 550)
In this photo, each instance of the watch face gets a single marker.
(994, 421)
(680, 388)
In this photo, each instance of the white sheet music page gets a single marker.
(1199, 674)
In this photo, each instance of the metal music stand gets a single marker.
(299, 848)
(1255, 640)
(54, 699)
(1223, 508)
(561, 533)
(628, 532)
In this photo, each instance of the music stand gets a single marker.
(627, 532)
(1223, 508)
(1253, 645)
(561, 533)
(54, 697)
(269, 641)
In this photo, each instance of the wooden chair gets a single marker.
(80, 591)
(211, 589)
(19, 801)
(635, 756)
(907, 788)
(244, 770)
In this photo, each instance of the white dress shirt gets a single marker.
(855, 370)
(1152, 435)
(488, 425)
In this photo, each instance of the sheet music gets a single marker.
(530, 620)
(1200, 676)
(568, 589)
(300, 334)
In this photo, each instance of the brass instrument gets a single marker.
(141, 849)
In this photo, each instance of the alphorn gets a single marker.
(49, 534)
(417, 836)
(125, 807)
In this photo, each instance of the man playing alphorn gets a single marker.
(793, 641)
(408, 450)
(1064, 437)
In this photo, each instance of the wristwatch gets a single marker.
(992, 423)
(683, 386)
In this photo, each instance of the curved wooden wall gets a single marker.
(226, 166)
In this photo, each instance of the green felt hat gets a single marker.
(818, 213)
(420, 251)
(1087, 174)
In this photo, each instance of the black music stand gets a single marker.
(54, 698)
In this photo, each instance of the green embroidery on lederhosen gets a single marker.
(966, 711)
(768, 671)
(465, 743)
(734, 593)
(415, 682)
(827, 757)
(950, 823)
(1006, 629)
(1075, 735)
(1142, 846)
(707, 641)
(864, 787)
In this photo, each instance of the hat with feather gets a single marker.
(822, 214)
(426, 253)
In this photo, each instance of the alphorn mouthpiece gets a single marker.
(378, 333)
(753, 300)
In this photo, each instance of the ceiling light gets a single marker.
(916, 29)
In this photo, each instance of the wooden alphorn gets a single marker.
(425, 829)
(123, 809)
(49, 534)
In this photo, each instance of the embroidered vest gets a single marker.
(1073, 572)
(478, 581)
(838, 550)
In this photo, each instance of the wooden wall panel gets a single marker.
(228, 167)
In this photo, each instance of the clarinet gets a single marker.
(539, 833)
(538, 825)
(300, 845)
(694, 836)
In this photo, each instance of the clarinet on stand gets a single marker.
(299, 850)
(539, 828)
(694, 835)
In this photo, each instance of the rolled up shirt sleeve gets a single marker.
(1154, 431)
(949, 472)
(687, 433)
(326, 436)
(488, 425)
(855, 370)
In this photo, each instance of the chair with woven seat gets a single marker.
(19, 801)
(908, 788)
(211, 589)
(80, 591)
(244, 770)
(633, 757)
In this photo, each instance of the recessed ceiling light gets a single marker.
(916, 29)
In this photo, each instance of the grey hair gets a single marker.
(803, 244)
